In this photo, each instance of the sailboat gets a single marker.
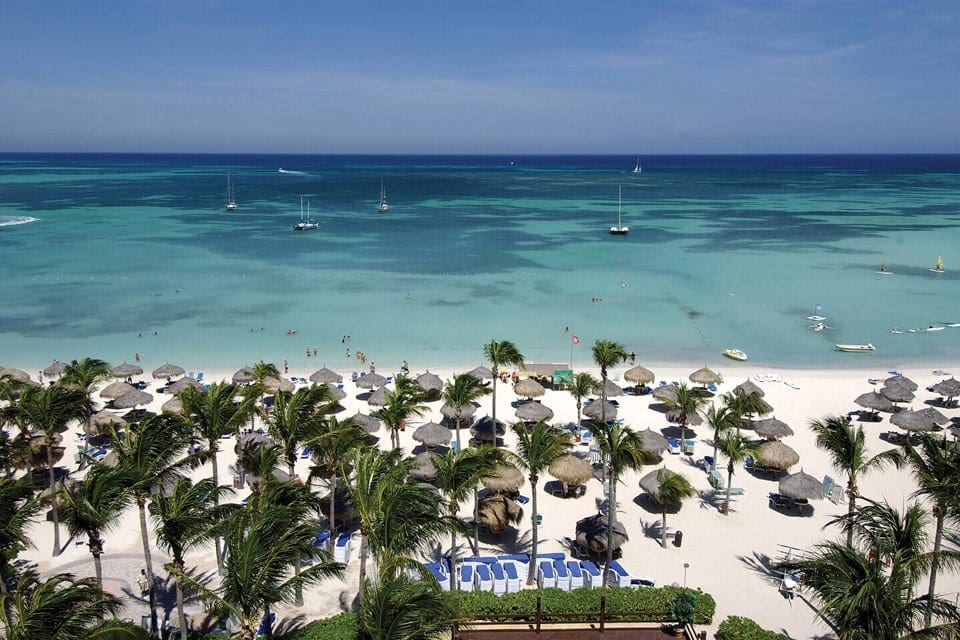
(884, 271)
(939, 266)
(383, 200)
(637, 168)
(231, 203)
(620, 229)
(305, 224)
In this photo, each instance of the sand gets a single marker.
(725, 555)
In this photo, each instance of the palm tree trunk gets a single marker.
(215, 476)
(476, 521)
(493, 411)
(726, 508)
(267, 627)
(851, 509)
(611, 521)
(96, 548)
(183, 624)
(53, 503)
(453, 548)
(934, 565)
(458, 429)
(663, 529)
(333, 505)
(364, 552)
(148, 561)
(532, 570)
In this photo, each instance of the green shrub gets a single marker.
(740, 628)
(683, 607)
(339, 627)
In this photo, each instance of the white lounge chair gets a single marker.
(484, 579)
(466, 578)
(563, 576)
(341, 550)
(436, 570)
(499, 578)
(591, 574)
(546, 577)
(618, 576)
(512, 575)
(576, 574)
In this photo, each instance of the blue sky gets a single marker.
(514, 76)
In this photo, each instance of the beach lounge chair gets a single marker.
(305, 453)
(576, 574)
(706, 463)
(322, 541)
(200, 376)
(190, 374)
(712, 387)
(673, 446)
(618, 576)
(837, 494)
(436, 570)
(688, 446)
(716, 480)
(827, 486)
(499, 578)
(341, 550)
(545, 575)
(591, 574)
(484, 579)
(523, 499)
(262, 629)
(512, 576)
(563, 576)
(586, 437)
(466, 578)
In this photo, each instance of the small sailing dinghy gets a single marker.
(938, 268)
(620, 229)
(231, 203)
(638, 168)
(383, 200)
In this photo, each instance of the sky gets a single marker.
(483, 77)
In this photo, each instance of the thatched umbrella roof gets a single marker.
(173, 405)
(912, 421)
(665, 392)
(115, 390)
(874, 401)
(748, 387)
(273, 385)
(481, 373)
(126, 370)
(431, 434)
(324, 375)
(949, 388)
(466, 411)
(252, 441)
(776, 455)
(934, 416)
(15, 374)
(429, 382)
(167, 371)
(570, 469)
(342, 504)
(132, 399)
(593, 410)
(424, 468)
(497, 511)
(693, 419)
(528, 388)
(902, 382)
(651, 482)
(897, 394)
(38, 449)
(371, 381)
(592, 534)
(55, 370)
(183, 383)
(244, 375)
(483, 429)
(772, 428)
(504, 478)
(336, 393)
(612, 389)
(801, 486)
(705, 376)
(368, 422)
(100, 424)
(534, 412)
(638, 374)
(653, 441)
(378, 398)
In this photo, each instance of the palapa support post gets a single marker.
(603, 611)
(539, 617)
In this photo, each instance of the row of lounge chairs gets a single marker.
(341, 545)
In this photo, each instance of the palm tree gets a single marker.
(736, 448)
(622, 449)
(460, 392)
(329, 448)
(185, 518)
(398, 608)
(537, 447)
(85, 374)
(402, 403)
(94, 505)
(500, 354)
(296, 418)
(50, 410)
(688, 402)
(672, 490)
(153, 453)
(458, 473)
(583, 386)
(744, 405)
(214, 414)
(846, 446)
(721, 420)
(606, 355)
(18, 507)
(935, 464)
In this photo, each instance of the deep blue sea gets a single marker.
(135, 254)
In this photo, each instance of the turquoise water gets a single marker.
(722, 252)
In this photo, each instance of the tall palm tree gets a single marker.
(846, 446)
(537, 447)
(721, 420)
(622, 449)
(214, 414)
(460, 392)
(94, 505)
(49, 410)
(673, 489)
(402, 403)
(583, 386)
(688, 402)
(153, 453)
(500, 354)
(735, 448)
(935, 464)
(398, 608)
(606, 355)
(18, 507)
(744, 405)
(85, 374)
(296, 418)
(457, 476)
(185, 518)
(329, 448)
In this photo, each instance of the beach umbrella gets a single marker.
(378, 398)
(336, 393)
(132, 399)
(902, 382)
(897, 394)
(181, 384)
(126, 370)
(432, 434)
(801, 486)
(528, 388)
(343, 506)
(533, 412)
(423, 467)
(429, 382)
(505, 478)
(776, 455)
(693, 419)
(591, 534)
(665, 392)
(498, 511)
(466, 411)
(912, 421)
(653, 441)
(481, 373)
(55, 370)
(101, 423)
(612, 388)
(593, 410)
(167, 371)
(874, 401)
(371, 381)
(934, 416)
(772, 428)
(705, 376)
(748, 387)
(571, 470)
(116, 389)
(15, 374)
(244, 375)
(252, 441)
(949, 389)
(367, 422)
(275, 385)
(651, 482)
(173, 405)
(483, 429)
(638, 374)
(324, 375)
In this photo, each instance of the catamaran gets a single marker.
(621, 229)
(383, 200)
(305, 224)
(638, 169)
(231, 203)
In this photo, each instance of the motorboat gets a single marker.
(735, 354)
(856, 348)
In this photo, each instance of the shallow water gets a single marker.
(722, 252)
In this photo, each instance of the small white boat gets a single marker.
(621, 229)
(735, 354)
(856, 348)
(305, 224)
(383, 200)
(231, 202)
(935, 328)
(820, 326)
(638, 169)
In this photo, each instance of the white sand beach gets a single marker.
(725, 555)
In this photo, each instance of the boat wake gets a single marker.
(8, 221)
(292, 173)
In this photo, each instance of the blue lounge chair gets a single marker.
(591, 573)
(466, 578)
(322, 540)
(341, 550)
(523, 499)
(563, 576)
(499, 578)
(262, 629)
(436, 570)
(545, 575)
(305, 453)
(200, 376)
(618, 576)
(513, 577)
(484, 579)
(190, 374)
(576, 574)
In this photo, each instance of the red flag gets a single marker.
(575, 340)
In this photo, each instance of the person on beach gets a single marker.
(143, 583)
(373, 367)
(136, 357)
(286, 369)
(314, 351)
(404, 368)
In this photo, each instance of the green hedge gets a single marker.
(339, 627)
(739, 628)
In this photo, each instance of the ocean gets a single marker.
(116, 255)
